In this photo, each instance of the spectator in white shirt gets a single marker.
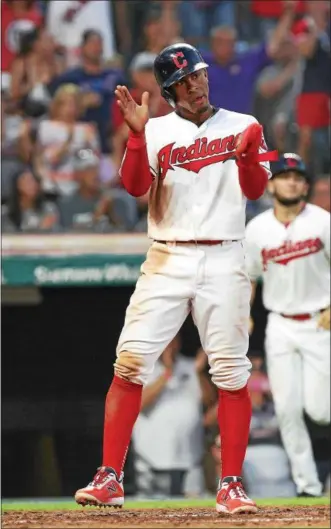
(67, 20)
(168, 440)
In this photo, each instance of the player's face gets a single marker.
(192, 92)
(289, 188)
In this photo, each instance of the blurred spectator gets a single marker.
(11, 121)
(276, 90)
(313, 104)
(17, 18)
(321, 193)
(198, 17)
(172, 406)
(88, 209)
(60, 138)
(27, 209)
(67, 20)
(266, 470)
(267, 12)
(160, 27)
(32, 70)
(232, 75)
(142, 79)
(97, 84)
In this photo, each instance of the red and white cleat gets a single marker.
(232, 499)
(105, 490)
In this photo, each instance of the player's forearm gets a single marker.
(253, 180)
(135, 172)
(152, 392)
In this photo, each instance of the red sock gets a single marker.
(234, 417)
(121, 411)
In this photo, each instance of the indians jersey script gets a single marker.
(196, 193)
(293, 260)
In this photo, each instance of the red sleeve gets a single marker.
(253, 180)
(135, 172)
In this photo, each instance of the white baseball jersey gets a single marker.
(293, 260)
(196, 193)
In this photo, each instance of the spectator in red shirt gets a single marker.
(313, 103)
(17, 17)
(267, 12)
(143, 79)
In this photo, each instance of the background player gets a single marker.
(200, 163)
(289, 247)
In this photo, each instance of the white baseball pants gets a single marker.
(209, 281)
(298, 361)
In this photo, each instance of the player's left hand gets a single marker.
(324, 320)
(249, 142)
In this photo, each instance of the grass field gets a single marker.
(51, 505)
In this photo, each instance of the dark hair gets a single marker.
(88, 33)
(14, 210)
(26, 41)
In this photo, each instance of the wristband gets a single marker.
(252, 158)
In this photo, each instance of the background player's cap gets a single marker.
(289, 162)
(173, 64)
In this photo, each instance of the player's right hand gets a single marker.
(135, 116)
(324, 319)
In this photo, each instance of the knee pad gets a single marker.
(128, 365)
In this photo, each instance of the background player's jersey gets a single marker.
(196, 193)
(294, 261)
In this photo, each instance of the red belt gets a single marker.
(300, 317)
(207, 243)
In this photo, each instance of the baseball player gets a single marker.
(200, 163)
(289, 248)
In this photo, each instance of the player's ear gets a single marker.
(306, 190)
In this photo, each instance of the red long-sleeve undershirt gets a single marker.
(137, 177)
(135, 172)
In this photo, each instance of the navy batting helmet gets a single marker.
(173, 63)
(289, 162)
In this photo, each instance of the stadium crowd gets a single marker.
(63, 138)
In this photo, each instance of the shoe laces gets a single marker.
(101, 475)
(234, 490)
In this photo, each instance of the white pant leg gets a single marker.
(285, 371)
(314, 344)
(220, 310)
(159, 304)
(267, 472)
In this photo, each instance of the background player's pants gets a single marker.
(210, 281)
(298, 360)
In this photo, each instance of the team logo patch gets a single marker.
(198, 155)
(289, 251)
(179, 60)
(112, 487)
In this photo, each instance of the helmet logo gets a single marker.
(180, 60)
